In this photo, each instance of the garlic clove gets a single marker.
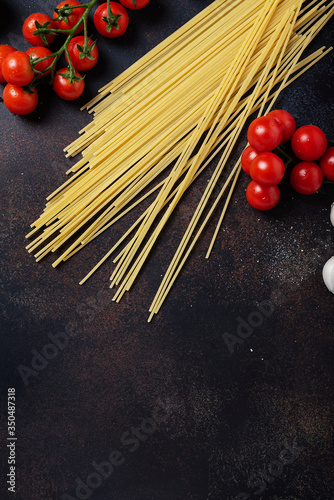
(328, 274)
(332, 214)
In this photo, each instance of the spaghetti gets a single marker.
(181, 104)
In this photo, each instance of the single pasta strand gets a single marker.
(228, 199)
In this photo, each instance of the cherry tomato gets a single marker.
(327, 164)
(134, 4)
(65, 89)
(264, 134)
(29, 26)
(267, 169)
(69, 18)
(309, 143)
(118, 23)
(286, 122)
(4, 51)
(262, 197)
(80, 62)
(39, 53)
(247, 157)
(16, 68)
(306, 177)
(19, 100)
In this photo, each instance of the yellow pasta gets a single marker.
(171, 113)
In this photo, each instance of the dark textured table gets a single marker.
(227, 394)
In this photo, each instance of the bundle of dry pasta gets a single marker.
(171, 113)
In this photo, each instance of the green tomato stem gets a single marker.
(291, 160)
(289, 157)
(86, 43)
(109, 11)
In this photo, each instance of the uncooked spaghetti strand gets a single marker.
(228, 199)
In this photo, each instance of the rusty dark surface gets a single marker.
(253, 423)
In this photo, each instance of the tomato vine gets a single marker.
(42, 31)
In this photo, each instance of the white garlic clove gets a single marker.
(332, 214)
(328, 274)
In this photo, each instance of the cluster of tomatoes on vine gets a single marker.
(22, 71)
(266, 168)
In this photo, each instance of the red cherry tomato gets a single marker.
(65, 89)
(18, 100)
(247, 157)
(267, 169)
(327, 164)
(29, 26)
(16, 68)
(134, 4)
(286, 122)
(306, 177)
(264, 134)
(262, 197)
(4, 51)
(309, 143)
(39, 53)
(69, 18)
(118, 23)
(82, 63)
